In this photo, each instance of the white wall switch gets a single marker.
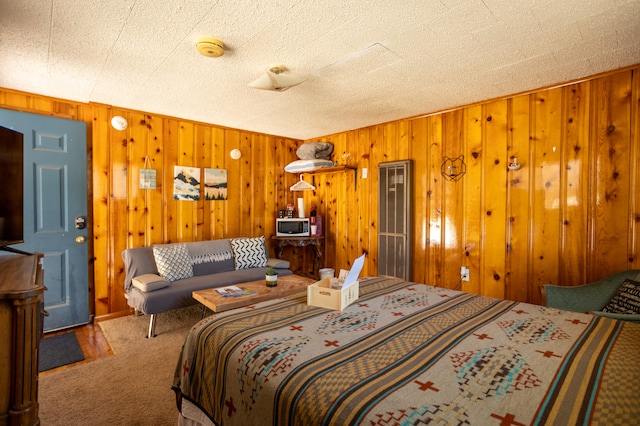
(365, 172)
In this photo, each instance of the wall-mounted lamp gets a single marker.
(235, 154)
(514, 165)
(119, 123)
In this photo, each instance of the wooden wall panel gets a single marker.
(102, 244)
(352, 212)
(139, 217)
(546, 125)
(418, 151)
(120, 235)
(574, 178)
(634, 172)
(471, 226)
(611, 143)
(360, 230)
(452, 208)
(220, 149)
(518, 213)
(434, 154)
(569, 215)
(493, 200)
(155, 226)
(375, 156)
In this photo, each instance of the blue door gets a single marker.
(55, 211)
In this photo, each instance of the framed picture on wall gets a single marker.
(186, 183)
(215, 184)
(147, 179)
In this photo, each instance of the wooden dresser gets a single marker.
(21, 316)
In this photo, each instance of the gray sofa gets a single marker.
(215, 263)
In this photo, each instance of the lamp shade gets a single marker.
(276, 81)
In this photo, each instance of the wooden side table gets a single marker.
(314, 242)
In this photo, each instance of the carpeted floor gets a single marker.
(133, 387)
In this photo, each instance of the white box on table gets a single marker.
(322, 295)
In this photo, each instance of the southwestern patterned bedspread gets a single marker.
(408, 353)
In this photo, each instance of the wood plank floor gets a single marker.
(92, 342)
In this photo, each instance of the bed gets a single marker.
(408, 353)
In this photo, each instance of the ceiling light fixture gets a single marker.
(235, 154)
(119, 123)
(209, 46)
(275, 81)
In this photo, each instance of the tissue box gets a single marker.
(322, 295)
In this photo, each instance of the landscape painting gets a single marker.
(215, 184)
(186, 183)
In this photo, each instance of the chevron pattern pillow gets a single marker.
(249, 252)
(626, 300)
(173, 261)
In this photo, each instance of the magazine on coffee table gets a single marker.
(234, 291)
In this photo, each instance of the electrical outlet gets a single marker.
(464, 273)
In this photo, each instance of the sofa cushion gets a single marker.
(626, 300)
(173, 261)
(249, 252)
(149, 282)
(209, 268)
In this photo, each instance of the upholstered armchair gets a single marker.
(590, 297)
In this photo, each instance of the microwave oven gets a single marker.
(292, 227)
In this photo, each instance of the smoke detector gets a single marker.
(209, 46)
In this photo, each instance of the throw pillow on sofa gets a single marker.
(626, 300)
(149, 282)
(173, 261)
(249, 252)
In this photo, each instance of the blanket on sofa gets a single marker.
(407, 352)
(209, 251)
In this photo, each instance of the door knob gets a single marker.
(81, 239)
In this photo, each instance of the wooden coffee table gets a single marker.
(287, 285)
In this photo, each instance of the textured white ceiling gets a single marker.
(366, 62)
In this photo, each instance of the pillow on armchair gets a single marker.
(626, 300)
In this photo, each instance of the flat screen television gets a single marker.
(12, 190)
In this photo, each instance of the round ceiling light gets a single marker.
(119, 123)
(235, 154)
(209, 46)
